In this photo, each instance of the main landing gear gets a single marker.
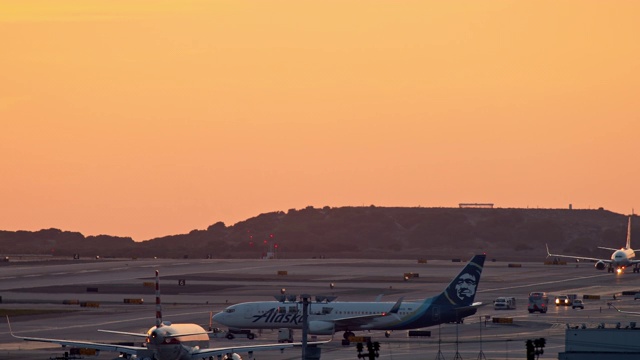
(347, 334)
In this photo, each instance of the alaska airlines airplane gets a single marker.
(327, 318)
(620, 259)
(166, 341)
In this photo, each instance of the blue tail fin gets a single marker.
(462, 290)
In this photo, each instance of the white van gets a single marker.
(504, 303)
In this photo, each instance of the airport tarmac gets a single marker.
(193, 289)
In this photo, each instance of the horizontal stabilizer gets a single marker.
(123, 333)
(606, 248)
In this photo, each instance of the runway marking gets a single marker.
(8, 277)
(545, 283)
(32, 275)
(88, 271)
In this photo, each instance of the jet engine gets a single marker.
(600, 265)
(321, 328)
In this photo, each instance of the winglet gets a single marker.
(629, 234)
(158, 306)
(616, 309)
(9, 323)
(548, 253)
(396, 306)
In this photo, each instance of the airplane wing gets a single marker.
(623, 311)
(202, 353)
(133, 350)
(365, 319)
(145, 335)
(606, 261)
(356, 320)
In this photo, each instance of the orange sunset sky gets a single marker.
(147, 118)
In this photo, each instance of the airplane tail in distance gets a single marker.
(462, 290)
(158, 306)
(629, 234)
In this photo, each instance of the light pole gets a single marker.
(305, 324)
(481, 354)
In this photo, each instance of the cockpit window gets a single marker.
(230, 310)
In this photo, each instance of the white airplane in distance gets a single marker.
(620, 259)
(166, 341)
(327, 318)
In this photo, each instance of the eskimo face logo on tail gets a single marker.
(463, 289)
(465, 286)
(274, 316)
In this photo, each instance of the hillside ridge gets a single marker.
(358, 232)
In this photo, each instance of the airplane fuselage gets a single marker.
(165, 347)
(322, 316)
(622, 258)
(327, 317)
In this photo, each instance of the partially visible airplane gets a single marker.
(623, 311)
(326, 318)
(620, 259)
(166, 341)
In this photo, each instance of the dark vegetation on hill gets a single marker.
(359, 232)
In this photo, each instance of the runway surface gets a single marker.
(193, 289)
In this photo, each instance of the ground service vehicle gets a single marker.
(538, 301)
(577, 303)
(217, 333)
(285, 335)
(504, 303)
(563, 300)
